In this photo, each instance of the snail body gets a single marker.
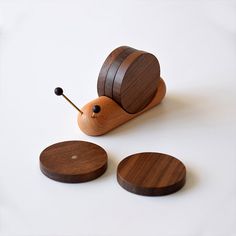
(112, 114)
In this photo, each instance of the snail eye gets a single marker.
(96, 108)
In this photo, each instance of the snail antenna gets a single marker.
(59, 91)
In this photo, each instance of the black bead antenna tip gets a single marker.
(59, 91)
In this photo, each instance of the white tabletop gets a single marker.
(45, 44)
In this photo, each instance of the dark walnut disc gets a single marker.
(105, 67)
(151, 174)
(113, 70)
(136, 80)
(73, 161)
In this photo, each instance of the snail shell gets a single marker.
(129, 77)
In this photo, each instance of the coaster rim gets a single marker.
(74, 177)
(151, 191)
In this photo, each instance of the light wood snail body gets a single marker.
(112, 115)
(129, 84)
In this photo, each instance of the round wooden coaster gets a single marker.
(73, 161)
(105, 67)
(113, 70)
(151, 174)
(136, 80)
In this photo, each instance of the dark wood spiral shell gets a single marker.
(130, 77)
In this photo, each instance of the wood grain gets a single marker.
(151, 174)
(111, 114)
(73, 161)
(105, 67)
(113, 70)
(136, 81)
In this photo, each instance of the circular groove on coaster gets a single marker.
(105, 67)
(114, 68)
(136, 80)
(151, 174)
(73, 161)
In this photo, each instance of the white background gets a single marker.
(64, 43)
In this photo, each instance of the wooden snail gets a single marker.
(129, 84)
